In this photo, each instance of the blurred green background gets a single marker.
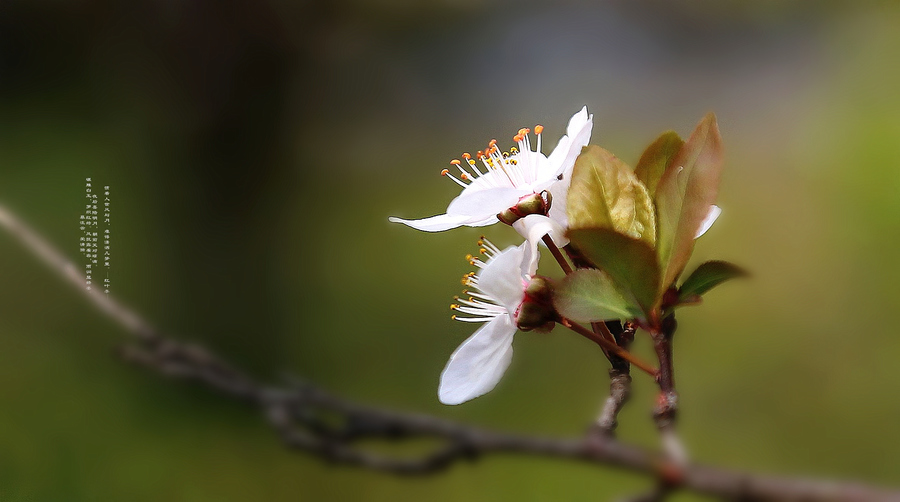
(256, 149)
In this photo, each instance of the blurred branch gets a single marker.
(328, 426)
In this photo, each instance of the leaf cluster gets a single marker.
(636, 228)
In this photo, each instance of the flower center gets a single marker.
(515, 168)
(482, 307)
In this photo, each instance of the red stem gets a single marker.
(612, 347)
(557, 254)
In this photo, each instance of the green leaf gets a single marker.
(706, 277)
(656, 158)
(631, 263)
(684, 195)
(589, 295)
(605, 193)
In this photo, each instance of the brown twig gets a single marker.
(314, 421)
(666, 409)
(610, 346)
(619, 379)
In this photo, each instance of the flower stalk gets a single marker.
(557, 254)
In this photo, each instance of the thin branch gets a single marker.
(563, 264)
(619, 378)
(666, 409)
(51, 257)
(322, 424)
(610, 346)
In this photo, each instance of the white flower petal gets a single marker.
(482, 223)
(578, 134)
(485, 203)
(501, 278)
(578, 122)
(711, 216)
(559, 192)
(545, 184)
(437, 223)
(479, 362)
(533, 228)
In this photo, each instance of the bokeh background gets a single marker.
(256, 149)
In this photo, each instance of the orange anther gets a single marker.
(480, 154)
(518, 138)
(455, 162)
(492, 142)
(464, 176)
(467, 156)
(444, 172)
(527, 130)
(538, 129)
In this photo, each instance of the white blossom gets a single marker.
(504, 178)
(496, 294)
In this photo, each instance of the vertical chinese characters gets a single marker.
(88, 224)
(106, 237)
(92, 227)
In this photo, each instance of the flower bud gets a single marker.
(536, 311)
(539, 290)
(535, 203)
(508, 216)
